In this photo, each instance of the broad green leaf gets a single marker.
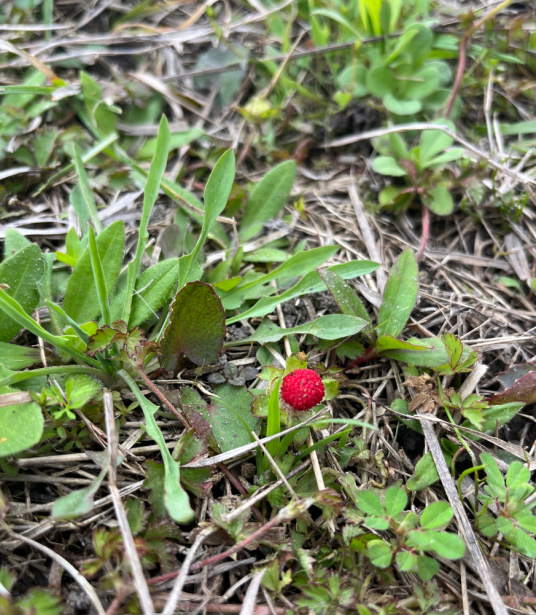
(86, 207)
(454, 153)
(196, 326)
(330, 327)
(395, 501)
(21, 427)
(406, 561)
(150, 194)
(401, 107)
(175, 498)
(388, 343)
(229, 416)
(525, 543)
(217, 191)
(517, 474)
(104, 119)
(400, 295)
(439, 201)
(344, 295)
(429, 352)
(425, 474)
(310, 283)
(18, 357)
(153, 289)
(267, 198)
(444, 544)
(81, 302)
(377, 523)
(527, 522)
(433, 142)
(369, 503)
(427, 567)
(436, 515)
(78, 503)
(380, 81)
(380, 553)
(386, 165)
(494, 476)
(424, 82)
(13, 242)
(21, 272)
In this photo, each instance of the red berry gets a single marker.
(302, 389)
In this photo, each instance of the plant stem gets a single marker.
(425, 232)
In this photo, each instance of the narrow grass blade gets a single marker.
(98, 275)
(88, 200)
(152, 187)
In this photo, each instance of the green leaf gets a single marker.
(439, 201)
(401, 107)
(433, 142)
(369, 502)
(21, 272)
(87, 209)
(80, 389)
(153, 289)
(298, 265)
(380, 553)
(39, 601)
(81, 302)
(78, 503)
(330, 327)
(13, 242)
(273, 424)
(21, 427)
(18, 357)
(377, 523)
(150, 194)
(525, 543)
(176, 141)
(517, 474)
(444, 544)
(386, 165)
(387, 343)
(400, 295)
(196, 326)
(344, 295)
(423, 83)
(436, 515)
(425, 474)
(427, 567)
(406, 561)
(527, 522)
(380, 81)
(310, 283)
(494, 476)
(395, 501)
(267, 199)
(452, 154)
(98, 278)
(217, 191)
(175, 498)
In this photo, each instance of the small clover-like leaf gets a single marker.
(517, 474)
(380, 553)
(395, 501)
(369, 503)
(436, 515)
(196, 326)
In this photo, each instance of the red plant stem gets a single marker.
(459, 75)
(240, 488)
(238, 546)
(369, 355)
(425, 232)
(162, 397)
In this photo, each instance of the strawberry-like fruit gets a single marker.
(302, 389)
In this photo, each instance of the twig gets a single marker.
(82, 581)
(319, 479)
(142, 588)
(275, 467)
(248, 606)
(366, 231)
(238, 485)
(473, 547)
(175, 594)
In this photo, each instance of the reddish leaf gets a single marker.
(196, 326)
(508, 377)
(522, 390)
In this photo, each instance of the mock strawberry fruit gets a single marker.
(302, 389)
